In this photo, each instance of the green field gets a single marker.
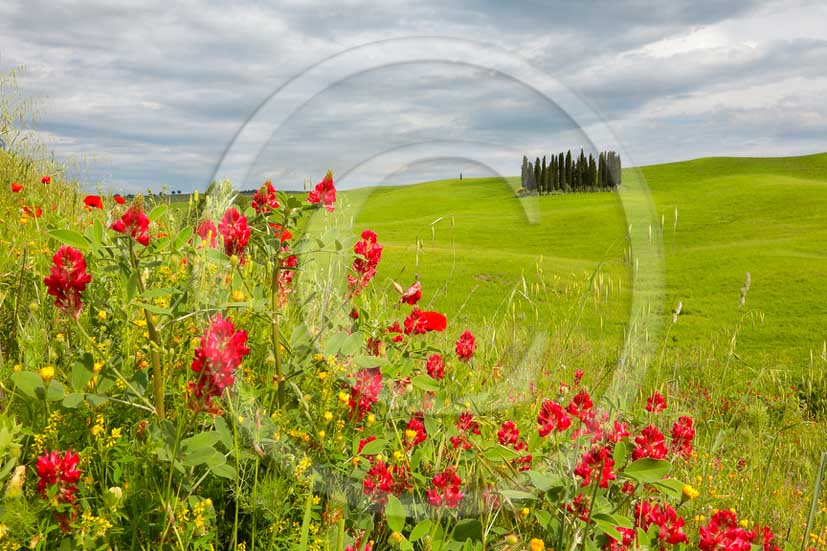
(473, 241)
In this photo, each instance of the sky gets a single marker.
(141, 95)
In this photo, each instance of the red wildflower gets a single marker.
(16, 187)
(599, 458)
(552, 417)
(282, 234)
(264, 199)
(364, 268)
(287, 271)
(415, 432)
(723, 534)
(378, 483)
(580, 404)
(396, 328)
(67, 279)
(221, 351)
(235, 231)
(37, 212)
(419, 322)
(119, 199)
(207, 232)
(446, 489)
(619, 432)
(59, 474)
(93, 201)
(135, 223)
(580, 507)
(508, 433)
(324, 192)
(670, 525)
(656, 403)
(365, 392)
(628, 537)
(465, 346)
(46, 180)
(682, 435)
(578, 376)
(412, 295)
(466, 425)
(650, 443)
(436, 367)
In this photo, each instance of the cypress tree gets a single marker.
(537, 173)
(541, 185)
(523, 176)
(568, 170)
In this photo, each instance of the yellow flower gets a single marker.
(328, 416)
(18, 368)
(744, 523)
(343, 397)
(96, 367)
(102, 315)
(47, 373)
(536, 545)
(322, 375)
(238, 296)
(396, 538)
(398, 455)
(689, 492)
(98, 429)
(371, 419)
(410, 434)
(525, 511)
(321, 434)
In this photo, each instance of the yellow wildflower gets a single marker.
(536, 544)
(328, 416)
(47, 373)
(689, 492)
(102, 315)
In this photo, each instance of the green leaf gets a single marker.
(224, 471)
(395, 513)
(516, 495)
(157, 212)
(55, 392)
(224, 434)
(420, 530)
(72, 400)
(468, 529)
(29, 383)
(374, 447)
(200, 440)
(182, 238)
(606, 526)
(82, 372)
(647, 470)
(425, 382)
(669, 486)
(70, 237)
(499, 452)
(199, 456)
(154, 309)
(543, 481)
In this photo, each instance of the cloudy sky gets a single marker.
(153, 93)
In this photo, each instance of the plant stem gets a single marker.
(276, 337)
(155, 343)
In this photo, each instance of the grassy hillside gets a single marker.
(476, 242)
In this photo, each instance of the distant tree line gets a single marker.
(563, 173)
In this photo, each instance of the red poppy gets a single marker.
(93, 201)
(16, 187)
(46, 180)
(135, 223)
(221, 351)
(118, 199)
(324, 192)
(419, 322)
(37, 212)
(412, 295)
(67, 279)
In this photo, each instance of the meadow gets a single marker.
(412, 367)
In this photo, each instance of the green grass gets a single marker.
(472, 242)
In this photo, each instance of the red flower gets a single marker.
(365, 392)
(324, 192)
(378, 482)
(446, 489)
(682, 435)
(650, 443)
(670, 525)
(93, 201)
(596, 458)
(628, 537)
(580, 404)
(415, 432)
(578, 376)
(364, 268)
(46, 180)
(58, 471)
(508, 433)
(419, 322)
(135, 223)
(235, 231)
(436, 367)
(466, 425)
(412, 295)
(119, 199)
(619, 432)
(221, 351)
(282, 234)
(465, 346)
(67, 279)
(207, 232)
(264, 199)
(16, 187)
(37, 212)
(552, 417)
(287, 271)
(656, 403)
(396, 328)
(723, 534)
